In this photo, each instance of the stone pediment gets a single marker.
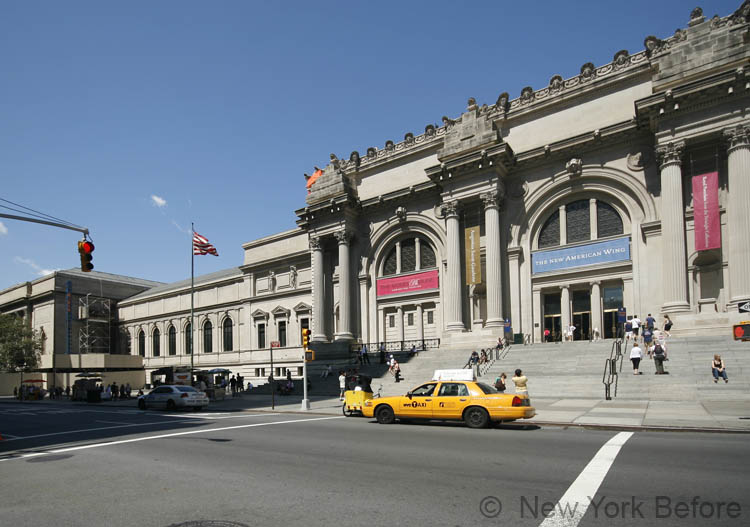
(280, 311)
(472, 131)
(259, 313)
(302, 308)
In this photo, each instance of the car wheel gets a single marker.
(170, 405)
(476, 417)
(385, 415)
(141, 404)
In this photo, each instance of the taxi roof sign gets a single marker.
(454, 375)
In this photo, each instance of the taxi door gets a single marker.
(419, 404)
(451, 400)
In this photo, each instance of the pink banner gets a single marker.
(706, 211)
(408, 284)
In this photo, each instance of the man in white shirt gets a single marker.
(342, 385)
(572, 331)
(636, 325)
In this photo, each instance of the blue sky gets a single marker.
(136, 118)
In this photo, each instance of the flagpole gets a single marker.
(192, 303)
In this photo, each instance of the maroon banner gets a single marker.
(706, 211)
(408, 284)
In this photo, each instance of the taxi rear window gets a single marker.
(186, 388)
(486, 388)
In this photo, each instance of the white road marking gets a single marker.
(576, 500)
(8, 436)
(164, 436)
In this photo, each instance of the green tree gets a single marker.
(20, 345)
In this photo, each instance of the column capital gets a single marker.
(490, 199)
(670, 154)
(343, 237)
(564, 286)
(596, 282)
(737, 137)
(315, 243)
(451, 208)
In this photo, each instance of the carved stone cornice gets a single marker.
(315, 243)
(343, 237)
(490, 200)
(670, 154)
(737, 137)
(451, 209)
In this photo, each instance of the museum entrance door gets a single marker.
(582, 315)
(552, 318)
(610, 324)
(612, 300)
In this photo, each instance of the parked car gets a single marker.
(172, 397)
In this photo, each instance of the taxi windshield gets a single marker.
(486, 388)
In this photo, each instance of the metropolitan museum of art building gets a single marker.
(625, 186)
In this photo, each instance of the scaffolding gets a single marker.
(95, 314)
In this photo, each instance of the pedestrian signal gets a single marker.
(86, 249)
(309, 355)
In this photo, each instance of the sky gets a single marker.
(136, 118)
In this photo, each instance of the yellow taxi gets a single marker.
(452, 395)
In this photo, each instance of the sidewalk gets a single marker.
(708, 416)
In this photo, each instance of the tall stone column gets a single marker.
(674, 263)
(738, 220)
(596, 307)
(565, 307)
(538, 322)
(345, 291)
(453, 301)
(493, 260)
(400, 324)
(318, 298)
(420, 323)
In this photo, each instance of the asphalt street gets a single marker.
(83, 466)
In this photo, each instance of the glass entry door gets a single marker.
(612, 301)
(552, 318)
(610, 324)
(582, 315)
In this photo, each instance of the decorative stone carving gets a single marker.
(450, 209)
(637, 161)
(372, 152)
(401, 213)
(574, 167)
(335, 162)
(680, 35)
(315, 243)
(588, 72)
(429, 130)
(556, 83)
(343, 237)
(527, 95)
(472, 105)
(448, 122)
(293, 276)
(355, 159)
(621, 59)
(389, 146)
(738, 137)
(272, 281)
(409, 138)
(502, 102)
(490, 199)
(653, 45)
(670, 154)
(696, 13)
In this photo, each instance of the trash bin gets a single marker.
(93, 396)
(517, 338)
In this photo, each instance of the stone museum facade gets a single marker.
(625, 186)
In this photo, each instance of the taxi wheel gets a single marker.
(385, 415)
(476, 417)
(171, 406)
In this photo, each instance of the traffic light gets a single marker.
(305, 337)
(85, 249)
(742, 331)
(309, 355)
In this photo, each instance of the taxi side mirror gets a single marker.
(408, 394)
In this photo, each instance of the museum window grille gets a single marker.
(390, 263)
(155, 342)
(227, 334)
(208, 337)
(172, 341)
(430, 317)
(608, 221)
(142, 344)
(408, 249)
(261, 336)
(426, 256)
(282, 333)
(550, 234)
(408, 256)
(578, 221)
(189, 339)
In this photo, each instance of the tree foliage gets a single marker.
(20, 345)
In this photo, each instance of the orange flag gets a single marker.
(313, 178)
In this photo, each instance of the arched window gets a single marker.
(550, 233)
(172, 341)
(608, 221)
(227, 334)
(426, 256)
(208, 337)
(188, 339)
(409, 255)
(142, 344)
(155, 342)
(577, 221)
(390, 263)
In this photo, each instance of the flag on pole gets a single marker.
(201, 245)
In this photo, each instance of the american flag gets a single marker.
(201, 245)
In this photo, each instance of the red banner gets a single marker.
(408, 284)
(706, 211)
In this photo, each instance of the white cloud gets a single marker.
(3, 228)
(31, 263)
(158, 201)
(179, 227)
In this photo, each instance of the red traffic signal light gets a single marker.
(85, 249)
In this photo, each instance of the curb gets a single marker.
(641, 428)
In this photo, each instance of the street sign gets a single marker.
(508, 328)
(275, 344)
(745, 308)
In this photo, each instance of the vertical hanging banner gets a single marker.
(473, 260)
(706, 211)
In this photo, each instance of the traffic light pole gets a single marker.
(305, 400)
(84, 230)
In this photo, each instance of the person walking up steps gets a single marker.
(636, 354)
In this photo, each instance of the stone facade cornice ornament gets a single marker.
(401, 213)
(450, 209)
(574, 167)
(737, 137)
(670, 154)
(343, 237)
(490, 200)
(315, 243)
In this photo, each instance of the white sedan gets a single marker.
(173, 396)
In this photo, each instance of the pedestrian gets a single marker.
(397, 372)
(718, 369)
(628, 330)
(636, 354)
(500, 383)
(67, 391)
(342, 385)
(288, 375)
(115, 391)
(650, 322)
(128, 390)
(660, 355)
(413, 350)
(667, 325)
(572, 332)
(520, 380)
(15, 392)
(381, 351)
(325, 373)
(365, 356)
(636, 322)
(648, 336)
(546, 335)
(597, 335)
